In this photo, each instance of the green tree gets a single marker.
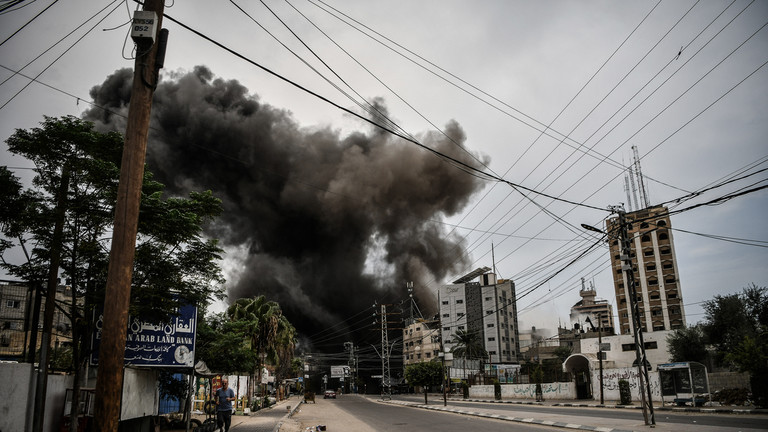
(737, 325)
(257, 320)
(424, 374)
(687, 344)
(76, 175)
(469, 345)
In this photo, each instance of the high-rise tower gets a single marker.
(657, 281)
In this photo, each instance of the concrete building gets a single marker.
(479, 303)
(657, 281)
(421, 342)
(592, 311)
(16, 300)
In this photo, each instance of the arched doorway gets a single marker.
(579, 366)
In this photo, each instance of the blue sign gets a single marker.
(170, 344)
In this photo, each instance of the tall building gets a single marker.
(657, 283)
(486, 307)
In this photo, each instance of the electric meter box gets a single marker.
(144, 27)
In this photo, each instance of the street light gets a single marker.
(626, 266)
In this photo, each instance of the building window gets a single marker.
(628, 347)
(491, 339)
(446, 328)
(651, 345)
(490, 312)
(488, 298)
(661, 223)
(13, 304)
(446, 315)
(491, 325)
(459, 301)
(491, 352)
(445, 302)
(428, 355)
(460, 314)
(461, 327)
(663, 236)
(646, 238)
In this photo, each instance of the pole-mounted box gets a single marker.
(144, 27)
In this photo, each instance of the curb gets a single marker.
(513, 419)
(706, 410)
(291, 412)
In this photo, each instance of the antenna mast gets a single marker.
(640, 181)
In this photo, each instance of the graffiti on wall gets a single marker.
(611, 380)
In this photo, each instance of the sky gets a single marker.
(550, 96)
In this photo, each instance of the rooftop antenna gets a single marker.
(640, 181)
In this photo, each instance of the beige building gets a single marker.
(421, 342)
(15, 310)
(657, 282)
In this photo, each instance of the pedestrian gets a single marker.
(224, 397)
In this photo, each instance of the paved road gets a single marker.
(584, 415)
(352, 413)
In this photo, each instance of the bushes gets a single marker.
(732, 396)
(624, 393)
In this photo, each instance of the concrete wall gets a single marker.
(17, 407)
(564, 390)
(140, 395)
(728, 380)
(611, 379)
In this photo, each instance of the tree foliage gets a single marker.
(687, 344)
(424, 374)
(469, 345)
(737, 325)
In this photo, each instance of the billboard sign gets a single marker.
(170, 344)
(339, 371)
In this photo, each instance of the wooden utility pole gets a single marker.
(109, 383)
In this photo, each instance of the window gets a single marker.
(491, 325)
(646, 238)
(628, 347)
(418, 356)
(490, 312)
(459, 301)
(488, 298)
(428, 355)
(651, 345)
(446, 315)
(461, 327)
(491, 339)
(649, 252)
(661, 223)
(460, 314)
(13, 304)
(491, 352)
(445, 302)
(663, 236)
(446, 328)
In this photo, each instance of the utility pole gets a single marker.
(349, 346)
(386, 390)
(109, 383)
(642, 369)
(600, 353)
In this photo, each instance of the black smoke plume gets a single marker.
(324, 224)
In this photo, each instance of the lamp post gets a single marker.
(626, 267)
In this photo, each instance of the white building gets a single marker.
(421, 342)
(486, 306)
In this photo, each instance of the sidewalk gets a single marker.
(615, 404)
(263, 420)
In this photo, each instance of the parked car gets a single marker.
(329, 394)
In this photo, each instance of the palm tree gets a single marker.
(259, 320)
(469, 346)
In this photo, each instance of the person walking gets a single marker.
(224, 397)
